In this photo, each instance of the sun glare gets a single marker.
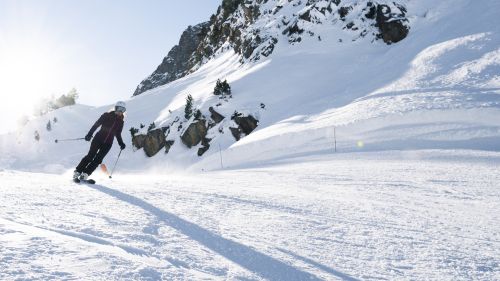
(28, 73)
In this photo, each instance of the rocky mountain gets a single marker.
(177, 63)
(252, 28)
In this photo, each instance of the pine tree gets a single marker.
(49, 126)
(226, 89)
(188, 109)
(222, 89)
(218, 88)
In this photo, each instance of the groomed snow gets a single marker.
(428, 215)
(412, 193)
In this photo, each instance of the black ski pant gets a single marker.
(97, 152)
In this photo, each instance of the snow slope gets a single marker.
(438, 88)
(428, 215)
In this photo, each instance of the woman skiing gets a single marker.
(111, 126)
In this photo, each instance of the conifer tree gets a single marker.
(188, 109)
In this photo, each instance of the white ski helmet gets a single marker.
(120, 106)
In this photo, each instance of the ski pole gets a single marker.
(110, 176)
(69, 140)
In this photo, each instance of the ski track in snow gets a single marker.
(356, 216)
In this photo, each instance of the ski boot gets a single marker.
(76, 176)
(83, 177)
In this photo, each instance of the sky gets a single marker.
(104, 49)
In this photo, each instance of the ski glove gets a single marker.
(88, 137)
(122, 146)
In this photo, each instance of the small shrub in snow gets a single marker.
(165, 130)
(197, 115)
(133, 131)
(37, 136)
(49, 126)
(152, 126)
(236, 114)
(142, 126)
(55, 120)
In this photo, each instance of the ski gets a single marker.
(90, 181)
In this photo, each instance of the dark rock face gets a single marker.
(138, 141)
(194, 134)
(153, 142)
(344, 11)
(178, 62)
(206, 145)
(391, 25)
(168, 145)
(246, 125)
(236, 133)
(216, 116)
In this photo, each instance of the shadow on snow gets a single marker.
(259, 263)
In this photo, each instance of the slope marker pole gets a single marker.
(335, 138)
(220, 153)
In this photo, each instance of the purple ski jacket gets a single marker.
(111, 127)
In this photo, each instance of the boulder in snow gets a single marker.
(246, 125)
(206, 145)
(216, 116)
(391, 25)
(153, 142)
(195, 133)
(138, 141)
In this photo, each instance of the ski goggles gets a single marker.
(120, 109)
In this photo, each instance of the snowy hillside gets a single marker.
(437, 88)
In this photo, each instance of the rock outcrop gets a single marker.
(246, 125)
(391, 25)
(178, 62)
(206, 145)
(195, 133)
(216, 116)
(152, 143)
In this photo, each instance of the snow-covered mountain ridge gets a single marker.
(436, 89)
(253, 28)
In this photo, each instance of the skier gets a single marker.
(111, 126)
